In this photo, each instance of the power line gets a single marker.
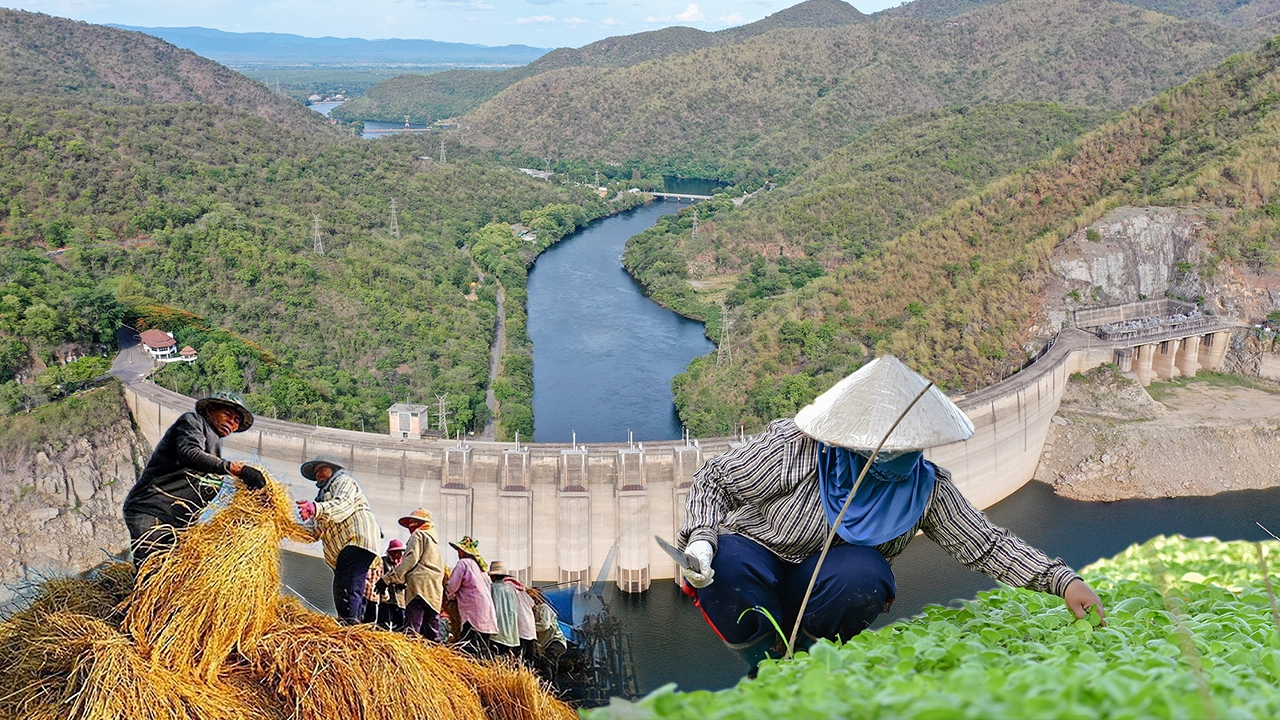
(317, 244)
(724, 353)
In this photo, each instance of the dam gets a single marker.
(552, 511)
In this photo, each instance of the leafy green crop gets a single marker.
(1191, 633)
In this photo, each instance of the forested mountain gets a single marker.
(958, 296)
(1235, 13)
(780, 101)
(166, 210)
(276, 49)
(845, 206)
(50, 56)
(426, 98)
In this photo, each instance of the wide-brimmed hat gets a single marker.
(497, 569)
(396, 545)
(309, 467)
(468, 546)
(230, 401)
(420, 515)
(860, 409)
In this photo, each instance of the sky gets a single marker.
(539, 23)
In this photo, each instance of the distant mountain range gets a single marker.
(273, 49)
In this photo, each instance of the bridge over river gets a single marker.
(551, 512)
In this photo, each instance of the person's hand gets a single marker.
(702, 550)
(253, 478)
(1080, 597)
(235, 467)
(306, 509)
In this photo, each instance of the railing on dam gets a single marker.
(552, 511)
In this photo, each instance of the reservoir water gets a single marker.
(603, 353)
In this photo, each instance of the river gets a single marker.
(604, 355)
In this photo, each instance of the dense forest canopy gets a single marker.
(775, 103)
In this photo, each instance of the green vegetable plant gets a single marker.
(1190, 634)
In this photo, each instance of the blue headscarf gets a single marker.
(890, 501)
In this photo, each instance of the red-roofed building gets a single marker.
(159, 344)
(188, 354)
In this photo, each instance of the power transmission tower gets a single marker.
(597, 178)
(317, 244)
(695, 222)
(442, 412)
(724, 353)
(395, 224)
(548, 168)
(441, 150)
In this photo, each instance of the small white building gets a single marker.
(407, 420)
(187, 354)
(160, 345)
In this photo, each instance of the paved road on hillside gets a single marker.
(132, 362)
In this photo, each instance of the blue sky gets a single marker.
(541, 23)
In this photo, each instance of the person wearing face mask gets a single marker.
(757, 517)
(185, 473)
(341, 519)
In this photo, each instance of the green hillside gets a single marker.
(845, 206)
(776, 103)
(427, 98)
(50, 56)
(958, 296)
(210, 212)
(1236, 13)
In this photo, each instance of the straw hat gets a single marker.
(860, 409)
(497, 569)
(419, 515)
(308, 469)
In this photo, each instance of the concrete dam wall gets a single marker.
(551, 512)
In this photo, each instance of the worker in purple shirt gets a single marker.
(471, 587)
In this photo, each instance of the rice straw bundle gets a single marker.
(86, 670)
(326, 671)
(214, 594)
(507, 690)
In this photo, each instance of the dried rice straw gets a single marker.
(214, 594)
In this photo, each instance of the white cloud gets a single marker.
(576, 21)
(535, 19)
(734, 19)
(463, 4)
(692, 14)
(609, 22)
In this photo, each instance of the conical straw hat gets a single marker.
(860, 409)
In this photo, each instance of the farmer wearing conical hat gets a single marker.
(759, 515)
(422, 574)
(341, 519)
(185, 473)
(473, 590)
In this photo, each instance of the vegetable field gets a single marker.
(1191, 633)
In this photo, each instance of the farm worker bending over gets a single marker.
(185, 473)
(472, 589)
(758, 515)
(342, 521)
(422, 574)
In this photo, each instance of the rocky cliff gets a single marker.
(1136, 253)
(65, 469)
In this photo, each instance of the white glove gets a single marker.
(702, 550)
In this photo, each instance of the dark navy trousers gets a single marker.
(855, 585)
(349, 575)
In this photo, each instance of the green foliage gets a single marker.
(55, 57)
(49, 427)
(1190, 633)
(775, 103)
(955, 297)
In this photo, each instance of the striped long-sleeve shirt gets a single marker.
(767, 490)
(343, 518)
